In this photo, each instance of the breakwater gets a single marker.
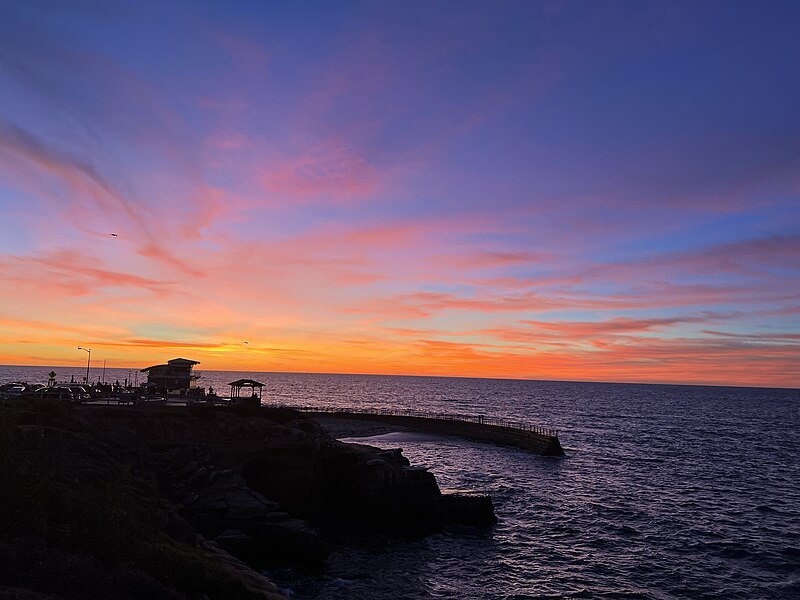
(541, 440)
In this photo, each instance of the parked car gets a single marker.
(12, 389)
(56, 393)
(79, 392)
(15, 390)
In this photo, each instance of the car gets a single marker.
(15, 390)
(56, 393)
(79, 391)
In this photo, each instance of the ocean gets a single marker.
(666, 491)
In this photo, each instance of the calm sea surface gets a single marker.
(666, 492)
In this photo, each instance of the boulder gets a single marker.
(464, 508)
(249, 526)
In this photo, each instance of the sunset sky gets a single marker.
(550, 190)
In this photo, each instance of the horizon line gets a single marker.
(709, 385)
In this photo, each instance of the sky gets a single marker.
(582, 190)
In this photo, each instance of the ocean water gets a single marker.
(666, 492)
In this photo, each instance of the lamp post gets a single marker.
(88, 362)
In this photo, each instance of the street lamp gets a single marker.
(88, 362)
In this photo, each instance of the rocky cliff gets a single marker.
(185, 503)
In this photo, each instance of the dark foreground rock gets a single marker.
(109, 502)
(224, 508)
(468, 509)
(82, 515)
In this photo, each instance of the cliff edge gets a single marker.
(191, 502)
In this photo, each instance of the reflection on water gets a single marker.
(397, 437)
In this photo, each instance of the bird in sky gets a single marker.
(114, 235)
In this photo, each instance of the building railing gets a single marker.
(386, 412)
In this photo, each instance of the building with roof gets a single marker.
(253, 400)
(174, 377)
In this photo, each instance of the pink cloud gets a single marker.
(494, 259)
(159, 253)
(196, 218)
(74, 273)
(227, 141)
(425, 304)
(602, 333)
(328, 171)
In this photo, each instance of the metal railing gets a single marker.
(385, 412)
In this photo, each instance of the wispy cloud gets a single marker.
(73, 273)
(329, 171)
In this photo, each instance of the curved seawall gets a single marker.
(542, 441)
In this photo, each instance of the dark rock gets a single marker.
(267, 589)
(467, 509)
(189, 469)
(292, 541)
(20, 593)
(247, 525)
(178, 528)
(227, 503)
(234, 541)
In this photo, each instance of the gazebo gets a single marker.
(236, 389)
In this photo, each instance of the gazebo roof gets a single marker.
(246, 383)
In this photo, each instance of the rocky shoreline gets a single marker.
(194, 502)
